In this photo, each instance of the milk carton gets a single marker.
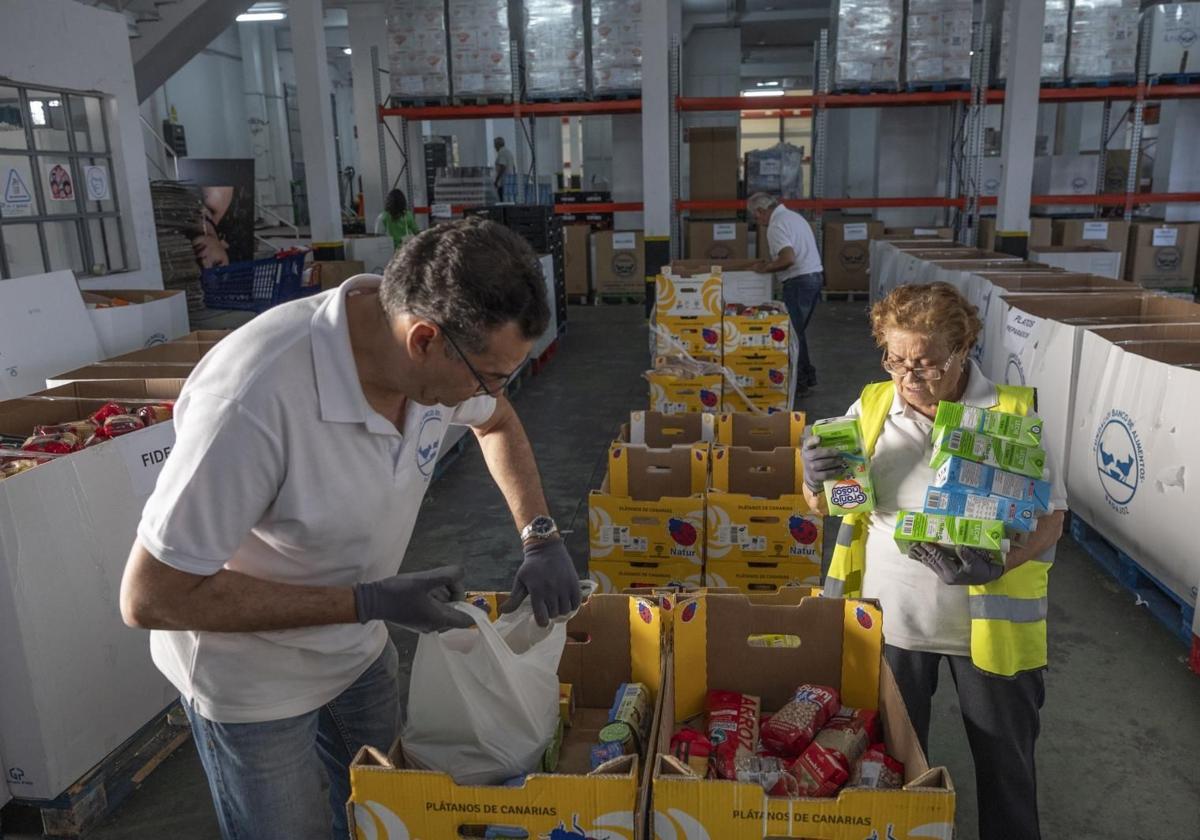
(851, 492)
(914, 527)
(1020, 516)
(1027, 431)
(959, 474)
(985, 449)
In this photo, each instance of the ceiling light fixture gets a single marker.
(259, 17)
(767, 84)
(762, 93)
(347, 51)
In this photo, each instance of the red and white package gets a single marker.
(793, 727)
(819, 772)
(876, 769)
(766, 771)
(732, 729)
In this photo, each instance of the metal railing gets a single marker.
(164, 144)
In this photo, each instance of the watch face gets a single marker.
(542, 526)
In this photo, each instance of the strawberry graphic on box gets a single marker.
(708, 398)
(803, 531)
(682, 531)
(710, 337)
(776, 376)
(778, 334)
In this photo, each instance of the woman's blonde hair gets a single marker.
(933, 309)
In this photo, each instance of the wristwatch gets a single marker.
(541, 528)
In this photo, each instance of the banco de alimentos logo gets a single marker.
(1120, 461)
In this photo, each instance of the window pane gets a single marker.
(48, 116)
(96, 183)
(17, 196)
(87, 123)
(105, 236)
(62, 246)
(21, 250)
(59, 185)
(12, 122)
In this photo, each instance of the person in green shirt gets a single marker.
(396, 220)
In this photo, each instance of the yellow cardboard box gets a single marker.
(840, 645)
(752, 576)
(679, 395)
(752, 371)
(743, 335)
(612, 639)
(620, 575)
(658, 430)
(768, 400)
(698, 335)
(651, 506)
(760, 432)
(678, 295)
(756, 512)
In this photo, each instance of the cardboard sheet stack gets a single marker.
(704, 499)
(479, 48)
(418, 64)
(555, 57)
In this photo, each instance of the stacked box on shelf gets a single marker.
(616, 46)
(867, 43)
(555, 55)
(646, 522)
(938, 34)
(1104, 40)
(1055, 32)
(417, 60)
(778, 170)
(479, 48)
(756, 353)
(1174, 28)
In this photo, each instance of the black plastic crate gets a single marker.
(490, 211)
(583, 197)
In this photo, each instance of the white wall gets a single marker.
(64, 44)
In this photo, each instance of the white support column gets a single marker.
(277, 124)
(256, 113)
(1178, 127)
(656, 123)
(1019, 134)
(316, 119)
(368, 28)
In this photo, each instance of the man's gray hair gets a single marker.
(761, 201)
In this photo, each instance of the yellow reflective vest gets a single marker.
(1008, 615)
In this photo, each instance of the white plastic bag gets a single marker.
(483, 703)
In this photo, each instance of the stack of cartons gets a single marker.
(417, 59)
(555, 57)
(847, 254)
(618, 263)
(712, 168)
(1162, 255)
(1107, 234)
(646, 523)
(1104, 40)
(479, 48)
(717, 240)
(687, 322)
(1085, 259)
(938, 34)
(1055, 32)
(761, 532)
(616, 46)
(867, 43)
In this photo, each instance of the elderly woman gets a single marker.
(986, 619)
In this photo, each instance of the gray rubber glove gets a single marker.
(821, 464)
(548, 578)
(967, 567)
(420, 601)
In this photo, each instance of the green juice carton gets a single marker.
(851, 492)
(948, 442)
(1026, 431)
(914, 527)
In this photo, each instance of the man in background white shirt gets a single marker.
(505, 165)
(266, 559)
(795, 258)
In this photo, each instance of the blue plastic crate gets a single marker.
(256, 285)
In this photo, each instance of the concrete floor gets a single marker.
(1119, 755)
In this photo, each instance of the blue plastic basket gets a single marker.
(256, 285)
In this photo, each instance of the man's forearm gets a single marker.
(1049, 531)
(155, 596)
(510, 460)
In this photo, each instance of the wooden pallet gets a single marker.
(92, 799)
(936, 87)
(834, 294)
(607, 300)
(1167, 607)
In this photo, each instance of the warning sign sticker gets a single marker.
(16, 200)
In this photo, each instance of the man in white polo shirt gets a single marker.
(794, 256)
(266, 558)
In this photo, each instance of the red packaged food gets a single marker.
(819, 772)
(876, 769)
(693, 749)
(732, 729)
(105, 411)
(157, 413)
(794, 726)
(766, 771)
(82, 429)
(115, 426)
(59, 443)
